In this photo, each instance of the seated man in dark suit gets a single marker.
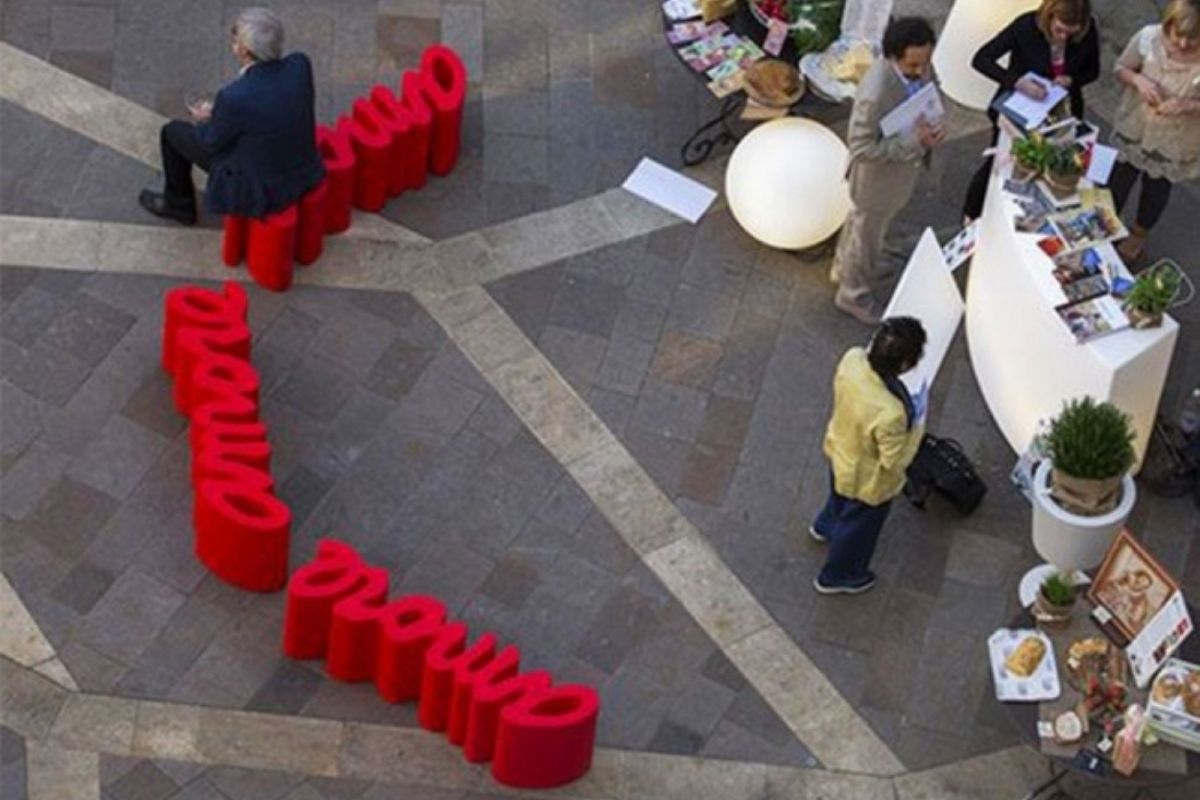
(257, 139)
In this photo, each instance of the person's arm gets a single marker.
(897, 444)
(220, 131)
(987, 59)
(1128, 69)
(863, 138)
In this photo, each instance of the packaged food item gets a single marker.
(1127, 745)
(1166, 689)
(1025, 659)
(851, 64)
(1173, 710)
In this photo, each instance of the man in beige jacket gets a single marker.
(883, 170)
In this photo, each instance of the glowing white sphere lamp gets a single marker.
(786, 183)
(970, 24)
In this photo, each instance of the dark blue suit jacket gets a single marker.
(262, 137)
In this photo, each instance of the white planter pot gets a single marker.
(1069, 541)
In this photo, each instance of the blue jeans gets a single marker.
(852, 528)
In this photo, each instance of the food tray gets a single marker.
(813, 68)
(1169, 715)
(1043, 684)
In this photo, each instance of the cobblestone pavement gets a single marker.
(488, 481)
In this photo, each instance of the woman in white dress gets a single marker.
(1157, 129)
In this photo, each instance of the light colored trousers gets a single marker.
(879, 191)
(856, 263)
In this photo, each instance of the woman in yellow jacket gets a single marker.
(872, 437)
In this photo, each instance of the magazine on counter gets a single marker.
(1087, 226)
(1086, 263)
(1085, 288)
(1093, 318)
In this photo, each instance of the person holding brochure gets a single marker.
(873, 435)
(1059, 42)
(1157, 126)
(882, 169)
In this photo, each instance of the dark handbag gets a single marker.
(942, 466)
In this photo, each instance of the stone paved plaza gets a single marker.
(582, 423)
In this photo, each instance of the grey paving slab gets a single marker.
(118, 457)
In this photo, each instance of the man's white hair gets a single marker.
(260, 30)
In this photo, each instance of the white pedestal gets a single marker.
(1025, 360)
(1069, 541)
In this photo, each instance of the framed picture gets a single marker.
(1131, 585)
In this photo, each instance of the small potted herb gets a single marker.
(1091, 449)
(1152, 294)
(1055, 599)
(1082, 491)
(1064, 168)
(1029, 157)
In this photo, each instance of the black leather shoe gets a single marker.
(156, 203)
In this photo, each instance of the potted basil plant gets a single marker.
(1083, 492)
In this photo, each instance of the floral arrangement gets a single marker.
(815, 24)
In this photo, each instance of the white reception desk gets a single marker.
(1025, 359)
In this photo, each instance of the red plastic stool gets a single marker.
(240, 442)
(491, 694)
(420, 120)
(373, 152)
(195, 345)
(448, 654)
(272, 248)
(215, 377)
(234, 240)
(396, 119)
(340, 166)
(372, 117)
(445, 86)
(193, 307)
(213, 466)
(312, 592)
(546, 738)
(466, 675)
(225, 409)
(242, 534)
(310, 228)
(407, 629)
(354, 629)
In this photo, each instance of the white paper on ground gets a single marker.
(669, 189)
(928, 292)
(1104, 158)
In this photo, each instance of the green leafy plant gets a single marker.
(1058, 591)
(1091, 440)
(1030, 152)
(1064, 159)
(1155, 289)
(817, 23)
